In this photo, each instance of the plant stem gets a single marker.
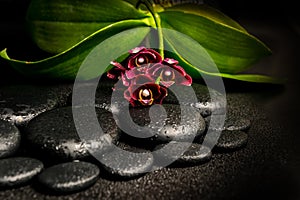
(149, 4)
(160, 35)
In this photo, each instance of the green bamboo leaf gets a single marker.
(57, 25)
(66, 64)
(230, 46)
(187, 51)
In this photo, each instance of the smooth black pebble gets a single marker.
(69, 177)
(237, 124)
(20, 103)
(82, 93)
(231, 123)
(180, 123)
(181, 153)
(198, 96)
(231, 140)
(18, 170)
(54, 133)
(126, 164)
(10, 139)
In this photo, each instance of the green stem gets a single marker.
(149, 4)
(160, 35)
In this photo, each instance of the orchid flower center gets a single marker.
(146, 97)
(167, 75)
(141, 60)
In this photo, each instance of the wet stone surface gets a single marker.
(128, 154)
(18, 170)
(122, 163)
(21, 103)
(198, 96)
(10, 138)
(53, 133)
(235, 124)
(231, 123)
(230, 140)
(163, 123)
(69, 177)
(182, 153)
(88, 93)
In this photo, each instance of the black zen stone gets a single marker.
(10, 139)
(82, 91)
(203, 101)
(229, 140)
(126, 164)
(182, 153)
(54, 133)
(20, 103)
(18, 170)
(231, 123)
(102, 95)
(69, 177)
(237, 124)
(163, 123)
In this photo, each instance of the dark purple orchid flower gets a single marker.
(169, 73)
(140, 74)
(141, 56)
(144, 91)
(116, 71)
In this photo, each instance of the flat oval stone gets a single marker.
(103, 92)
(203, 101)
(18, 170)
(231, 123)
(83, 92)
(69, 177)
(10, 139)
(54, 133)
(230, 140)
(126, 164)
(193, 153)
(237, 124)
(164, 125)
(20, 103)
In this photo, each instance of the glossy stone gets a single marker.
(54, 132)
(237, 124)
(128, 164)
(69, 177)
(228, 140)
(182, 153)
(231, 123)
(198, 96)
(18, 170)
(100, 93)
(21, 103)
(163, 122)
(10, 139)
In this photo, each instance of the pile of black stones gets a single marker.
(40, 144)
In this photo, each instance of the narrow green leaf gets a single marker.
(187, 51)
(57, 25)
(66, 64)
(230, 46)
